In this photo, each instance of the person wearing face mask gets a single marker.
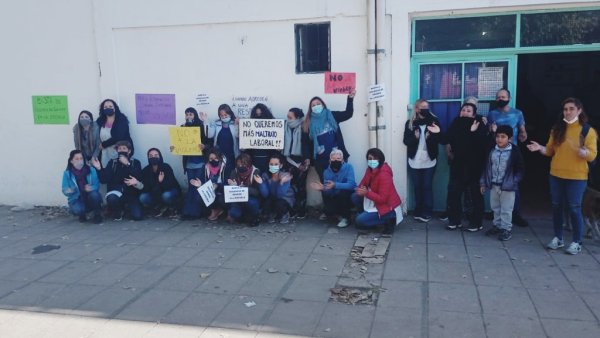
(468, 138)
(337, 188)
(504, 114)
(86, 135)
(260, 157)
(376, 195)
(322, 127)
(80, 184)
(114, 127)
(224, 133)
(247, 175)
(422, 137)
(122, 177)
(280, 197)
(161, 189)
(192, 164)
(297, 152)
(216, 171)
(571, 148)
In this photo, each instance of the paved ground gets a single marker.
(165, 278)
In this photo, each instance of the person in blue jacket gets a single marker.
(80, 185)
(337, 188)
(281, 193)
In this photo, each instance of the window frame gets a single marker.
(299, 66)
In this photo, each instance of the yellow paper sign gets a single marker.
(185, 140)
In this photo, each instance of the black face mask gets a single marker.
(214, 163)
(501, 103)
(108, 111)
(154, 160)
(124, 153)
(335, 165)
(242, 169)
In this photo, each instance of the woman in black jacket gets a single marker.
(114, 127)
(161, 189)
(422, 137)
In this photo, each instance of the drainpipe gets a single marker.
(381, 68)
(372, 69)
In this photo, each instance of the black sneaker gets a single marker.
(519, 221)
(423, 219)
(444, 217)
(389, 226)
(453, 226)
(255, 222)
(505, 235)
(82, 218)
(97, 219)
(493, 231)
(473, 228)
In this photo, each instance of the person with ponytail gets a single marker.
(86, 135)
(80, 184)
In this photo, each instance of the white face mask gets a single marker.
(572, 121)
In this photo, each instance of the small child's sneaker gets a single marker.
(555, 243)
(574, 248)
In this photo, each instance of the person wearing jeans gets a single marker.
(161, 189)
(80, 184)
(570, 153)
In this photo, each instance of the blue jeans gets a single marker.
(91, 202)
(569, 192)
(192, 204)
(251, 208)
(167, 198)
(422, 180)
(126, 202)
(370, 219)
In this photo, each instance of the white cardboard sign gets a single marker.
(234, 193)
(207, 193)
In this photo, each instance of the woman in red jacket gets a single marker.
(376, 194)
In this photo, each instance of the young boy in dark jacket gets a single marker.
(503, 171)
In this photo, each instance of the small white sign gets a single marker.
(234, 193)
(376, 92)
(202, 100)
(207, 193)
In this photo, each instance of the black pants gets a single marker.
(338, 204)
(461, 181)
(279, 206)
(299, 186)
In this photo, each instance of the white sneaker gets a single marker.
(555, 243)
(342, 223)
(574, 248)
(322, 217)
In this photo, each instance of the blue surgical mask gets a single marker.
(318, 109)
(273, 169)
(226, 119)
(373, 164)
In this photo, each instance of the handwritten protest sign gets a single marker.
(261, 133)
(185, 140)
(376, 93)
(234, 193)
(202, 100)
(155, 108)
(339, 83)
(207, 193)
(242, 105)
(50, 110)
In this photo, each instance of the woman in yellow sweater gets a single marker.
(569, 168)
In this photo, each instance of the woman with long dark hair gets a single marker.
(86, 135)
(260, 157)
(80, 184)
(114, 127)
(224, 133)
(572, 145)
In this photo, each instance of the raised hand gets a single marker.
(286, 177)
(258, 179)
(96, 163)
(231, 182)
(203, 117)
(131, 181)
(171, 148)
(123, 159)
(534, 146)
(352, 93)
(161, 177)
(196, 182)
(433, 128)
(417, 132)
(475, 125)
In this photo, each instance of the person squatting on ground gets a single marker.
(80, 184)
(161, 189)
(280, 200)
(503, 171)
(568, 169)
(377, 196)
(422, 137)
(337, 187)
(247, 175)
(122, 178)
(217, 172)
(297, 150)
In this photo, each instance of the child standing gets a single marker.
(503, 171)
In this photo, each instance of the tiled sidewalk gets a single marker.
(166, 278)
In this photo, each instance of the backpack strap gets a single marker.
(585, 129)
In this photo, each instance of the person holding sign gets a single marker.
(322, 126)
(80, 184)
(376, 195)
(281, 193)
(216, 172)
(193, 164)
(122, 177)
(260, 157)
(224, 133)
(297, 152)
(161, 189)
(422, 137)
(247, 175)
(114, 127)
(338, 186)
(86, 135)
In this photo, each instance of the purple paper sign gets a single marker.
(155, 108)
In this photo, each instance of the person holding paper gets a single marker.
(161, 189)
(281, 194)
(216, 172)
(297, 150)
(376, 195)
(260, 157)
(337, 188)
(114, 127)
(247, 175)
(322, 126)
(192, 165)
(224, 133)
(80, 184)
(86, 135)
(122, 177)
(422, 137)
